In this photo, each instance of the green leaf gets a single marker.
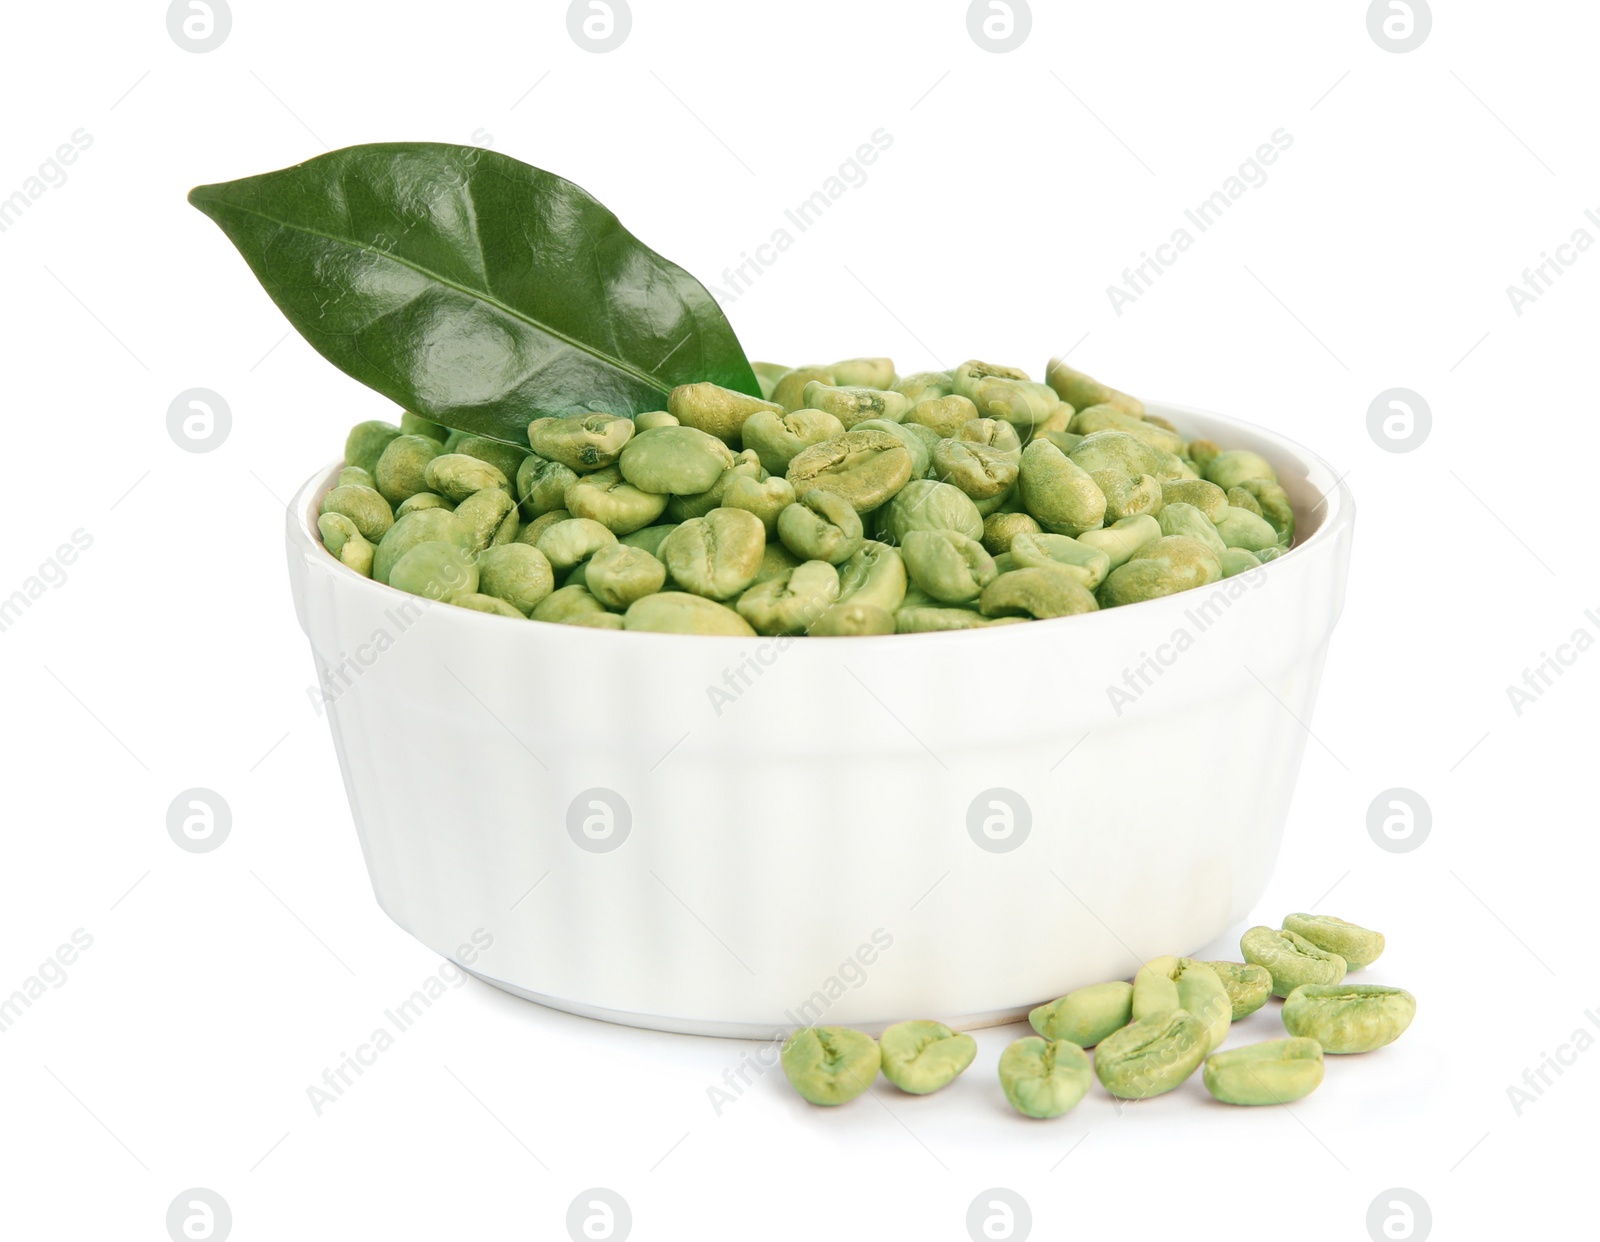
(473, 289)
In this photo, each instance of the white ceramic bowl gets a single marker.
(805, 830)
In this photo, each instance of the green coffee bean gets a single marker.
(766, 499)
(789, 393)
(681, 508)
(458, 475)
(617, 575)
(1202, 453)
(951, 567)
(865, 467)
(945, 415)
(1279, 1071)
(1236, 561)
(425, 526)
(1087, 1015)
(1088, 565)
(992, 433)
(1091, 419)
(924, 386)
(1044, 1077)
(1021, 403)
(566, 605)
(1270, 554)
(618, 506)
(921, 1057)
(776, 560)
(597, 621)
(516, 573)
(1059, 420)
(534, 530)
(1239, 528)
(415, 425)
(542, 486)
(852, 620)
(367, 442)
(1122, 541)
(680, 461)
(855, 405)
(582, 443)
(1274, 504)
(767, 375)
(864, 372)
(1240, 498)
(1349, 1017)
(1358, 946)
(1164, 566)
(422, 500)
(436, 571)
(1168, 983)
(363, 506)
(1001, 529)
(925, 505)
(1181, 519)
(1292, 960)
(677, 612)
(716, 556)
(1058, 492)
(1234, 467)
(510, 527)
(981, 471)
(777, 438)
(830, 1064)
(874, 575)
(821, 526)
(359, 555)
(1151, 1056)
(719, 411)
(1081, 391)
(650, 538)
(931, 618)
(1127, 497)
(506, 458)
(1210, 499)
(791, 602)
(1248, 986)
(1116, 450)
(575, 539)
(1066, 441)
(482, 513)
(341, 538)
(652, 419)
(1037, 592)
(400, 470)
(965, 379)
(485, 603)
(355, 476)
(919, 442)
(336, 530)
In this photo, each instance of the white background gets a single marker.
(178, 1050)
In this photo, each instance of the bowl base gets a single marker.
(725, 1030)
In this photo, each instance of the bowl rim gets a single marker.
(1336, 498)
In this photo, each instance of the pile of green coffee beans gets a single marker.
(1149, 1035)
(849, 501)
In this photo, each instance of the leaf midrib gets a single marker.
(511, 311)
